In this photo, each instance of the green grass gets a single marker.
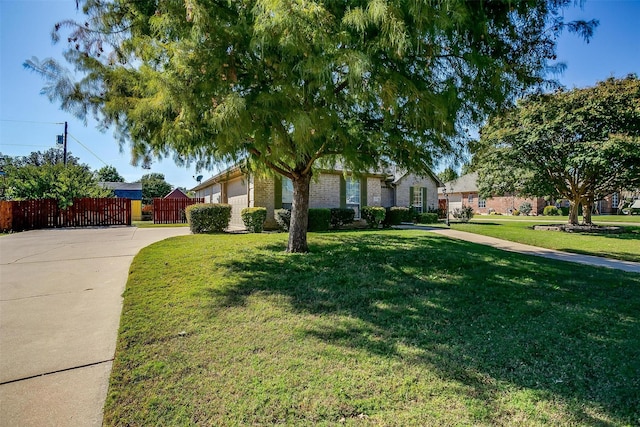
(398, 328)
(624, 246)
(597, 219)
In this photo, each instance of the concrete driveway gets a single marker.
(60, 303)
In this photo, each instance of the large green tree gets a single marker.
(109, 174)
(580, 145)
(291, 84)
(154, 185)
(44, 176)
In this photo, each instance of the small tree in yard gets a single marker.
(581, 145)
(292, 85)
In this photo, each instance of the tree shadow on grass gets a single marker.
(475, 315)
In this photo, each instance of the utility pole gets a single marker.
(65, 144)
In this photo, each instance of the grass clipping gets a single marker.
(371, 328)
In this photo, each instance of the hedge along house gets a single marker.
(333, 188)
(463, 191)
(128, 190)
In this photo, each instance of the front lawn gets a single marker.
(399, 328)
(624, 246)
(596, 219)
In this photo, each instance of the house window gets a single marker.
(353, 196)
(470, 199)
(287, 193)
(417, 199)
(482, 203)
(615, 200)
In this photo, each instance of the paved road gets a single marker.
(60, 303)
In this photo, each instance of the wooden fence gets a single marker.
(86, 212)
(171, 211)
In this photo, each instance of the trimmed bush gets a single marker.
(395, 215)
(319, 219)
(254, 219)
(464, 214)
(550, 211)
(283, 218)
(208, 217)
(374, 215)
(341, 216)
(525, 208)
(427, 218)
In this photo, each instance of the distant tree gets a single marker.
(109, 174)
(580, 144)
(52, 156)
(52, 181)
(297, 85)
(449, 174)
(154, 185)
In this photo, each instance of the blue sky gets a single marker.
(27, 119)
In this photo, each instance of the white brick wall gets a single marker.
(324, 192)
(410, 180)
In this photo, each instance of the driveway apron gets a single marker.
(60, 304)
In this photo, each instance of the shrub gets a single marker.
(515, 212)
(283, 218)
(341, 216)
(464, 214)
(319, 219)
(207, 217)
(374, 215)
(395, 215)
(428, 218)
(550, 211)
(147, 212)
(525, 208)
(254, 219)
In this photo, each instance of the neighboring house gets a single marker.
(464, 191)
(176, 193)
(128, 190)
(329, 189)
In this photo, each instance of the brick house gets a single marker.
(464, 191)
(332, 188)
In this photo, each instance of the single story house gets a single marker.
(464, 191)
(128, 190)
(330, 188)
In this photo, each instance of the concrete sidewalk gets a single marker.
(60, 303)
(506, 245)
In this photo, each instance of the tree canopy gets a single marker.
(109, 174)
(154, 185)
(44, 176)
(580, 144)
(287, 84)
(448, 174)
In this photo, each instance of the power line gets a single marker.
(26, 145)
(87, 148)
(28, 121)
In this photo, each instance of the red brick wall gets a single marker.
(502, 204)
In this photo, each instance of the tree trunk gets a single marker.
(573, 211)
(299, 215)
(587, 207)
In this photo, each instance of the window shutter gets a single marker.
(410, 196)
(277, 192)
(343, 192)
(424, 199)
(363, 191)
